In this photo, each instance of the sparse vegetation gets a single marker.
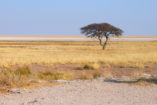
(23, 71)
(126, 54)
(107, 74)
(96, 75)
(17, 57)
(21, 77)
(94, 66)
(88, 67)
(83, 77)
(10, 78)
(48, 75)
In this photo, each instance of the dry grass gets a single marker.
(96, 75)
(107, 74)
(22, 77)
(94, 66)
(89, 54)
(48, 75)
(14, 78)
(122, 54)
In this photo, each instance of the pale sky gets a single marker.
(66, 17)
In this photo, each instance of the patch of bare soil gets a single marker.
(85, 92)
(78, 69)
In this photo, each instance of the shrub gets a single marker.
(59, 75)
(87, 67)
(23, 71)
(96, 75)
(79, 68)
(46, 75)
(94, 66)
(10, 78)
(121, 66)
(55, 76)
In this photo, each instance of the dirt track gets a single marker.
(96, 92)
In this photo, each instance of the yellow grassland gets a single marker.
(117, 53)
(121, 54)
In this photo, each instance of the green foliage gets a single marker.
(121, 66)
(88, 67)
(96, 75)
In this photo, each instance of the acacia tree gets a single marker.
(100, 31)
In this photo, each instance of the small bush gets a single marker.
(23, 71)
(96, 75)
(55, 76)
(87, 67)
(10, 78)
(59, 75)
(122, 66)
(46, 75)
(79, 68)
(94, 66)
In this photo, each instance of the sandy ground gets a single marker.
(72, 38)
(79, 92)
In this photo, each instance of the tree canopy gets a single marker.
(103, 29)
(100, 31)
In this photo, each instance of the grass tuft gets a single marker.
(88, 67)
(48, 75)
(94, 66)
(10, 78)
(23, 71)
(83, 77)
(96, 75)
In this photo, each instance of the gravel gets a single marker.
(84, 92)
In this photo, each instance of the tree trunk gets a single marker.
(104, 46)
(100, 41)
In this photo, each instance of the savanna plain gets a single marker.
(65, 72)
(25, 62)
